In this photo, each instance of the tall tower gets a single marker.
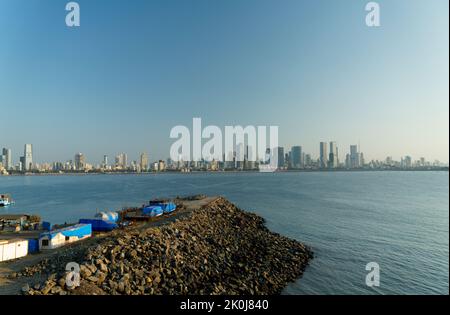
(144, 161)
(296, 157)
(323, 155)
(332, 163)
(80, 161)
(8, 159)
(354, 156)
(28, 157)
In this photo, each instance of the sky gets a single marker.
(135, 69)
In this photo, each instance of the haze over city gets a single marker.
(122, 80)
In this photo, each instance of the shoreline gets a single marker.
(442, 169)
(210, 246)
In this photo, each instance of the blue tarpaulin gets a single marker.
(99, 225)
(33, 246)
(46, 226)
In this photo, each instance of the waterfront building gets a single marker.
(64, 236)
(332, 157)
(323, 159)
(279, 151)
(7, 159)
(143, 162)
(161, 165)
(308, 160)
(13, 249)
(122, 161)
(354, 157)
(239, 156)
(105, 161)
(250, 158)
(27, 157)
(80, 162)
(406, 162)
(296, 157)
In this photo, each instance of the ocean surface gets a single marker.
(399, 220)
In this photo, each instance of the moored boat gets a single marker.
(6, 200)
(166, 206)
(152, 211)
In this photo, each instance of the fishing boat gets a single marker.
(5, 200)
(152, 211)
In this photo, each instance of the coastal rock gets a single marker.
(217, 249)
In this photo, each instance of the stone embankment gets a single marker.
(217, 249)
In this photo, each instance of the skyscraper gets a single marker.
(250, 158)
(28, 157)
(80, 161)
(296, 157)
(354, 157)
(122, 160)
(144, 161)
(280, 154)
(105, 161)
(332, 157)
(7, 163)
(323, 155)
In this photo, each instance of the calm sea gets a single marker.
(398, 219)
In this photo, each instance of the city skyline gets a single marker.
(294, 157)
(309, 67)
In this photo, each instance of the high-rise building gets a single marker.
(250, 158)
(280, 154)
(296, 157)
(240, 156)
(105, 161)
(7, 160)
(144, 161)
(354, 157)
(27, 157)
(80, 162)
(308, 160)
(332, 157)
(122, 161)
(323, 155)
(406, 162)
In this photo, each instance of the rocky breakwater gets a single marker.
(217, 249)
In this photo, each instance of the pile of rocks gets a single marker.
(218, 249)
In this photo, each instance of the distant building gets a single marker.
(296, 157)
(122, 161)
(161, 165)
(250, 158)
(406, 162)
(7, 159)
(143, 162)
(354, 157)
(105, 161)
(308, 160)
(280, 154)
(239, 156)
(28, 157)
(323, 159)
(80, 162)
(333, 156)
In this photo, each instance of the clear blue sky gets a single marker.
(134, 69)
